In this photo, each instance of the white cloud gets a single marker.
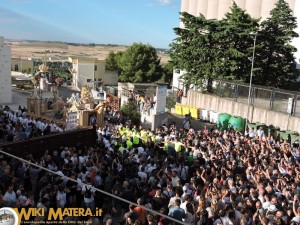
(161, 2)
(165, 2)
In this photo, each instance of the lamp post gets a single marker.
(251, 75)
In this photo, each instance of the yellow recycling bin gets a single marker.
(185, 110)
(178, 109)
(194, 112)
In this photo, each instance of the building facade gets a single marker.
(87, 71)
(216, 9)
(5, 76)
(22, 65)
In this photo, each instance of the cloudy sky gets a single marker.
(91, 21)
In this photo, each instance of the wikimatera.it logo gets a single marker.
(15, 216)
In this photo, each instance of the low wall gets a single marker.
(256, 114)
(37, 146)
(154, 121)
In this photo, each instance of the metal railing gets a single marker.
(268, 98)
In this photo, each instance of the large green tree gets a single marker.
(237, 43)
(196, 50)
(139, 63)
(274, 60)
(111, 61)
(208, 49)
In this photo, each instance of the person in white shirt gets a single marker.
(61, 197)
(53, 127)
(142, 174)
(260, 133)
(10, 197)
(88, 192)
(25, 120)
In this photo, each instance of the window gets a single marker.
(95, 67)
(88, 80)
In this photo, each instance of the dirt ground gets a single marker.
(61, 51)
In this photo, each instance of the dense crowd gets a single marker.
(202, 177)
(17, 125)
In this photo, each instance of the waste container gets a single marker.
(178, 109)
(237, 123)
(194, 112)
(223, 120)
(185, 110)
(283, 135)
(292, 135)
(272, 131)
(204, 114)
(263, 125)
(251, 126)
(213, 116)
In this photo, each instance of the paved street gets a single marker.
(66, 91)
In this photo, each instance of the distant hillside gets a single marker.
(61, 50)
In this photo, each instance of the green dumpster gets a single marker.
(272, 131)
(237, 123)
(292, 135)
(223, 120)
(251, 126)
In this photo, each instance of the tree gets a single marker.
(274, 59)
(197, 50)
(139, 63)
(112, 60)
(237, 44)
(129, 109)
(208, 49)
(167, 72)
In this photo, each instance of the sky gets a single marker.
(121, 22)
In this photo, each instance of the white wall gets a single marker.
(5, 75)
(296, 41)
(85, 72)
(176, 78)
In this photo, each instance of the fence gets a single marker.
(268, 98)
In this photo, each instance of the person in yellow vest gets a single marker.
(143, 135)
(122, 130)
(129, 143)
(128, 132)
(178, 145)
(166, 144)
(152, 136)
(136, 138)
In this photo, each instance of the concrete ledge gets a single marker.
(256, 114)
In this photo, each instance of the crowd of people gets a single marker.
(17, 125)
(203, 177)
(143, 102)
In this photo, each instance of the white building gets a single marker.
(5, 76)
(216, 9)
(86, 71)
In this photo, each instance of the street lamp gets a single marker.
(251, 75)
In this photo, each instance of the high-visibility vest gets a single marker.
(178, 146)
(129, 144)
(136, 138)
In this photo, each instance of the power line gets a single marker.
(99, 190)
